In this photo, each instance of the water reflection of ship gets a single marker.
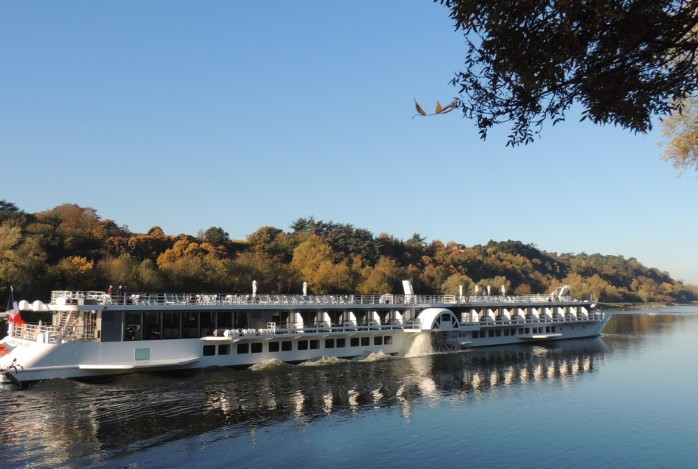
(112, 420)
(477, 373)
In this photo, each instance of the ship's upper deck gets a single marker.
(64, 297)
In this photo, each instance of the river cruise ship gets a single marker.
(94, 334)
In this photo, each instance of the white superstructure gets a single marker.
(93, 334)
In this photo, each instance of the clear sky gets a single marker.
(243, 114)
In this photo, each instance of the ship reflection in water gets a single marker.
(65, 422)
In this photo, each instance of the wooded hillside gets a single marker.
(70, 247)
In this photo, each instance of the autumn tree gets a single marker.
(147, 246)
(385, 277)
(75, 273)
(621, 61)
(81, 231)
(71, 218)
(681, 131)
(315, 263)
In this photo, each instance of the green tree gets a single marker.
(22, 260)
(150, 278)
(273, 242)
(623, 61)
(495, 285)
(452, 285)
(217, 236)
(121, 270)
(343, 238)
(9, 210)
(271, 275)
(186, 273)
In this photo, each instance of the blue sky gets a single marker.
(188, 115)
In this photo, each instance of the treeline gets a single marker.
(72, 248)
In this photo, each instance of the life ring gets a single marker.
(4, 350)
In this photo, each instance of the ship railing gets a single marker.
(413, 324)
(145, 298)
(314, 328)
(54, 335)
(543, 318)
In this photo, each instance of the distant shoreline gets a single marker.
(632, 306)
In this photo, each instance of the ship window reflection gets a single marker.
(207, 323)
(240, 321)
(225, 320)
(133, 329)
(190, 325)
(171, 325)
(152, 326)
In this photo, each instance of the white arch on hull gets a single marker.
(438, 319)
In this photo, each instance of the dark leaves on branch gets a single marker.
(622, 61)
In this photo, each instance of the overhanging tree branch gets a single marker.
(624, 61)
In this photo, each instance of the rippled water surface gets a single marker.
(626, 399)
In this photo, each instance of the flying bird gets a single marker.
(439, 109)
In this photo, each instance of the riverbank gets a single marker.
(633, 306)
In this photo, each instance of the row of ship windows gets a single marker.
(287, 345)
(511, 331)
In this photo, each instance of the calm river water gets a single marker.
(627, 399)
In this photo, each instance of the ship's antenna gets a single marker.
(10, 299)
